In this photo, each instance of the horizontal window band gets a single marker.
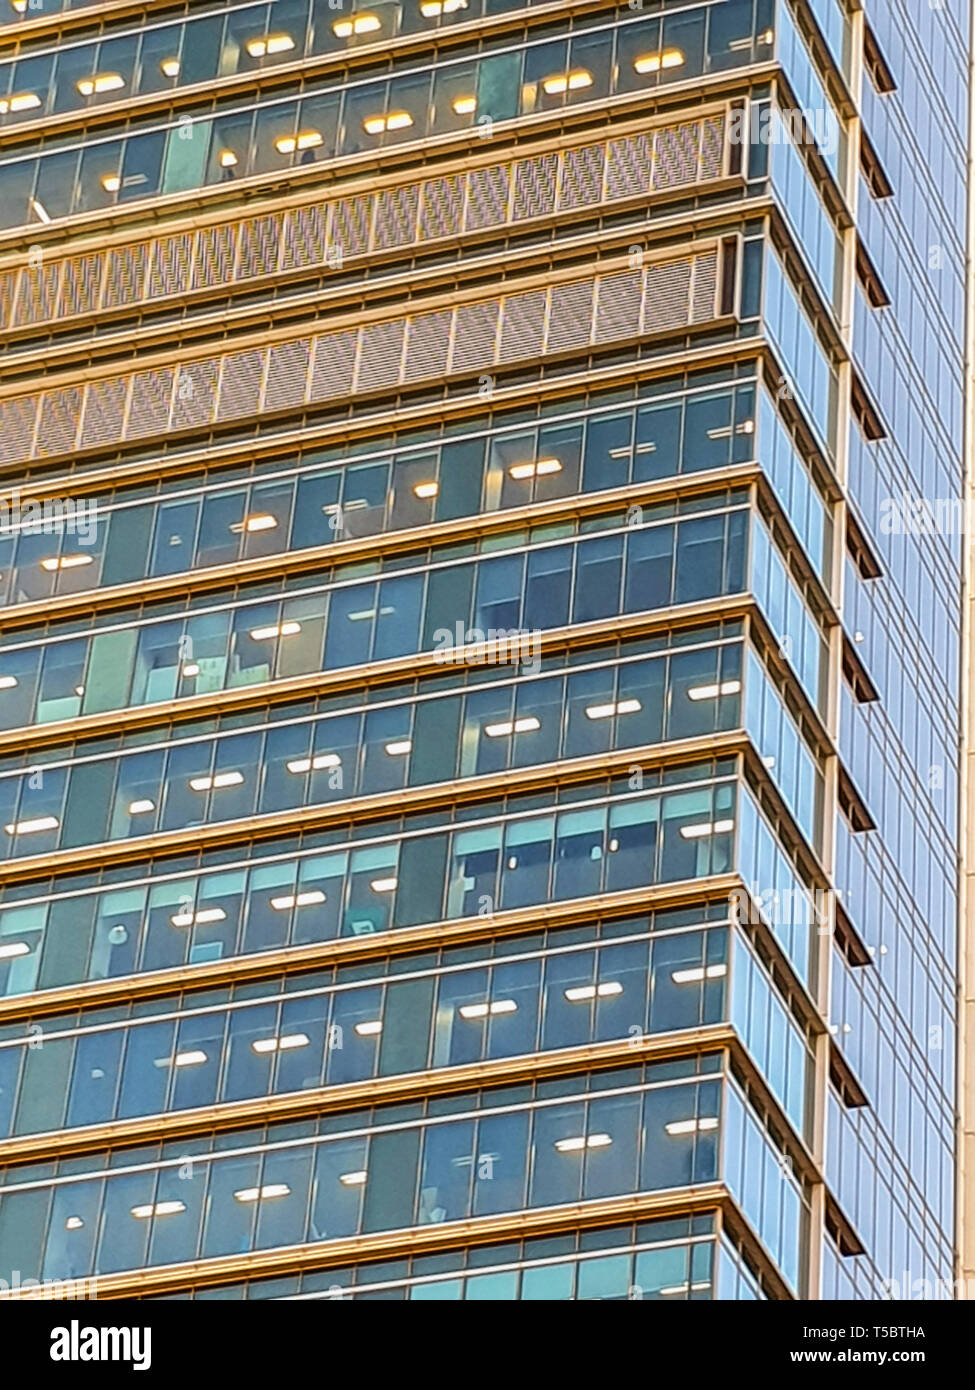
(618, 522)
(470, 790)
(304, 714)
(273, 186)
(567, 639)
(329, 220)
(400, 415)
(381, 544)
(228, 1116)
(573, 312)
(550, 133)
(531, 947)
(401, 941)
(380, 673)
(421, 1240)
(35, 25)
(295, 454)
(307, 65)
(588, 265)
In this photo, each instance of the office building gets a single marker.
(480, 769)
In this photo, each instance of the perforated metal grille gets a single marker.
(378, 355)
(411, 214)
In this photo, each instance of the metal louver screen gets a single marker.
(240, 384)
(287, 375)
(396, 217)
(414, 213)
(81, 284)
(305, 238)
(442, 208)
(125, 282)
(171, 266)
(582, 177)
(535, 183)
(38, 294)
(215, 257)
(470, 338)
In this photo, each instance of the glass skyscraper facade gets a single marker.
(480, 771)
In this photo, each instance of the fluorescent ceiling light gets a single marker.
(304, 140)
(711, 692)
(678, 1127)
(574, 81)
(537, 469)
(706, 828)
(169, 67)
(356, 1179)
(396, 120)
(528, 725)
(654, 62)
(142, 1213)
(218, 780)
(370, 1028)
(698, 974)
(8, 682)
(65, 562)
(192, 1058)
(100, 82)
(464, 106)
(73, 1223)
(578, 994)
(359, 24)
(675, 1290)
(20, 101)
(39, 210)
(497, 1006)
(425, 490)
(111, 184)
(290, 900)
(362, 615)
(228, 159)
(192, 668)
(261, 1194)
(272, 43)
(315, 764)
(10, 949)
(430, 9)
(284, 1044)
(139, 808)
(383, 885)
(196, 919)
(583, 1141)
(613, 707)
(32, 827)
(261, 634)
(261, 521)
